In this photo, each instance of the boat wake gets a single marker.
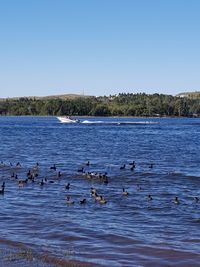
(119, 122)
(70, 120)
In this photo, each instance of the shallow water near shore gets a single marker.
(126, 231)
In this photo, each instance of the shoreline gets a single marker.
(87, 116)
(14, 254)
(17, 254)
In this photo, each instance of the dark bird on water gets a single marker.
(132, 168)
(3, 188)
(83, 201)
(124, 192)
(80, 170)
(150, 197)
(21, 183)
(67, 186)
(176, 200)
(53, 167)
(123, 167)
(18, 164)
(42, 182)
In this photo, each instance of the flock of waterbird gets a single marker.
(32, 175)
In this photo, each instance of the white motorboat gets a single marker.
(67, 120)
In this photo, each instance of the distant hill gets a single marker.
(63, 97)
(192, 95)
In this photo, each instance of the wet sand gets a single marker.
(13, 254)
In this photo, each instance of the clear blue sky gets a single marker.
(100, 46)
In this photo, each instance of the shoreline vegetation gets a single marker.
(135, 105)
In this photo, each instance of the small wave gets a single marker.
(119, 122)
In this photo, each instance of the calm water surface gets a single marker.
(126, 231)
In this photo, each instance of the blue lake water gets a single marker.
(126, 231)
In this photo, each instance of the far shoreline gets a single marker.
(88, 116)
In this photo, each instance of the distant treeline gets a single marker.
(120, 105)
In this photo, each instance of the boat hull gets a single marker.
(67, 120)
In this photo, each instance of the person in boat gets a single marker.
(70, 118)
(76, 120)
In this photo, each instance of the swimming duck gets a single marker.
(87, 175)
(2, 164)
(88, 163)
(21, 183)
(83, 201)
(3, 188)
(132, 168)
(28, 173)
(150, 197)
(35, 174)
(69, 200)
(45, 181)
(18, 164)
(133, 165)
(42, 182)
(59, 174)
(97, 198)
(93, 192)
(151, 166)
(176, 200)
(196, 199)
(102, 200)
(80, 170)
(31, 177)
(67, 186)
(104, 177)
(36, 167)
(99, 175)
(53, 167)
(125, 193)
(123, 167)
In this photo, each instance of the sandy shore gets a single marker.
(14, 254)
